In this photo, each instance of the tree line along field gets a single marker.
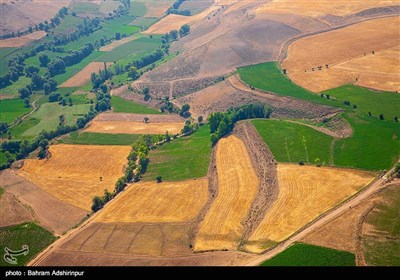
(301, 254)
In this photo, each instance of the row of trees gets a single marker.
(174, 9)
(223, 123)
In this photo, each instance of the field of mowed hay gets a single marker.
(174, 22)
(305, 192)
(82, 77)
(22, 41)
(76, 173)
(368, 58)
(323, 7)
(152, 202)
(116, 127)
(222, 226)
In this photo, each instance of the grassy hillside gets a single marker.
(11, 109)
(89, 138)
(290, 142)
(30, 234)
(122, 105)
(309, 255)
(183, 158)
(376, 102)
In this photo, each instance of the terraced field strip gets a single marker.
(158, 202)
(238, 184)
(127, 127)
(368, 58)
(21, 41)
(305, 192)
(76, 173)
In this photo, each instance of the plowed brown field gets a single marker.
(21, 41)
(83, 76)
(222, 226)
(76, 173)
(305, 192)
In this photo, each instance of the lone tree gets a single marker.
(396, 119)
(159, 179)
(200, 119)
(27, 102)
(284, 71)
(146, 119)
(98, 203)
(185, 110)
(381, 117)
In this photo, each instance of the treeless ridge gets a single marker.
(323, 7)
(23, 40)
(158, 202)
(83, 76)
(76, 173)
(350, 59)
(222, 226)
(305, 192)
(134, 127)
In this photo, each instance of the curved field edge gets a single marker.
(301, 254)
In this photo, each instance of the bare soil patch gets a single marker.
(12, 211)
(22, 41)
(82, 77)
(50, 212)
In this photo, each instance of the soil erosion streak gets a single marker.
(265, 166)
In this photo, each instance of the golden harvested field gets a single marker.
(117, 43)
(152, 202)
(157, 8)
(127, 127)
(21, 41)
(83, 76)
(349, 58)
(323, 7)
(305, 192)
(76, 173)
(174, 22)
(237, 186)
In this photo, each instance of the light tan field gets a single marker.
(116, 127)
(21, 41)
(174, 22)
(76, 173)
(117, 43)
(157, 8)
(153, 202)
(83, 76)
(237, 186)
(305, 192)
(323, 7)
(350, 58)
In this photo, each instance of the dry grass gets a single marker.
(158, 202)
(127, 127)
(157, 9)
(117, 43)
(82, 77)
(349, 58)
(21, 41)
(305, 192)
(323, 7)
(174, 22)
(73, 172)
(237, 186)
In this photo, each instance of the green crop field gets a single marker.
(143, 22)
(376, 102)
(89, 138)
(30, 234)
(301, 254)
(4, 54)
(14, 87)
(84, 7)
(374, 144)
(290, 142)
(49, 114)
(267, 76)
(122, 105)
(132, 50)
(11, 109)
(67, 24)
(177, 160)
(17, 131)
